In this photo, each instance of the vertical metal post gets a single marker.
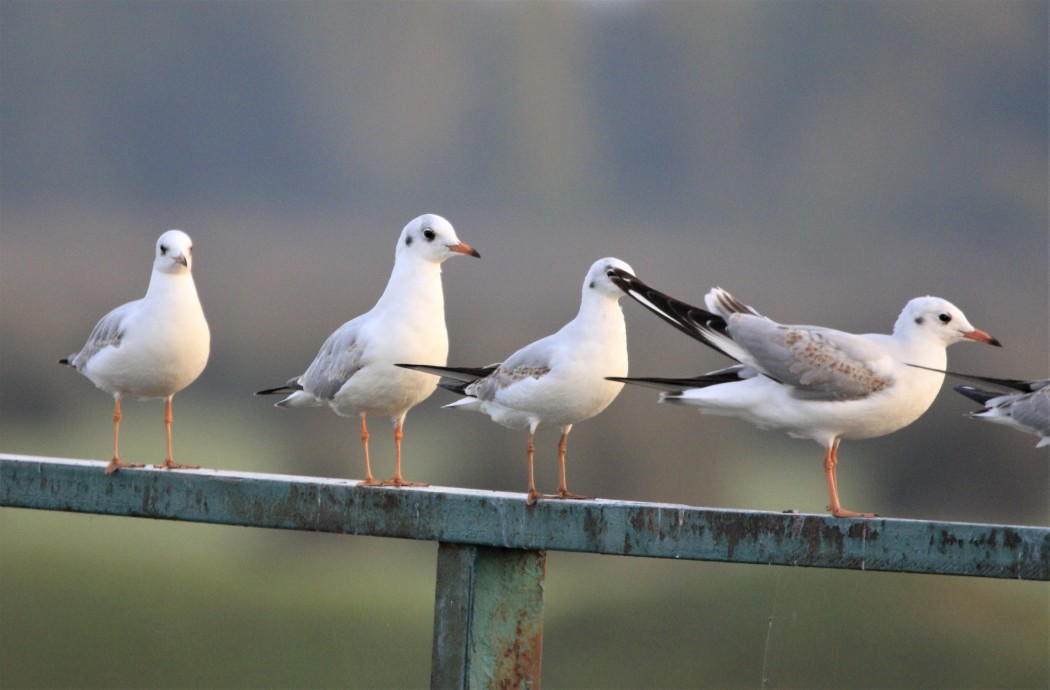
(488, 618)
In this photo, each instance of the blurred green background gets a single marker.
(823, 161)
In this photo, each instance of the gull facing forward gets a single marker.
(354, 372)
(555, 381)
(152, 347)
(808, 381)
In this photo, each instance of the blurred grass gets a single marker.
(91, 601)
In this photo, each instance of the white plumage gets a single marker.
(1021, 405)
(556, 381)
(354, 372)
(808, 381)
(152, 347)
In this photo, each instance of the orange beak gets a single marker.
(464, 248)
(982, 337)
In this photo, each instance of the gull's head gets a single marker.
(602, 275)
(939, 320)
(431, 238)
(174, 253)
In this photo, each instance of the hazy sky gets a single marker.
(824, 161)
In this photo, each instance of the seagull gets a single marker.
(152, 347)
(1024, 406)
(555, 381)
(809, 381)
(354, 371)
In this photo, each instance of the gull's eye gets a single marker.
(429, 234)
(945, 318)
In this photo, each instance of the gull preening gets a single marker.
(809, 381)
(1022, 405)
(354, 372)
(152, 347)
(556, 381)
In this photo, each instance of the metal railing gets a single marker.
(488, 613)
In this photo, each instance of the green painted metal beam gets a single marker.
(488, 618)
(483, 518)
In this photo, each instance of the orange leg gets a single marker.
(116, 463)
(169, 463)
(831, 461)
(533, 494)
(563, 490)
(369, 479)
(397, 479)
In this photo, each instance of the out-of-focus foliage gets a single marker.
(823, 161)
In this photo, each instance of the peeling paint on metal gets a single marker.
(502, 519)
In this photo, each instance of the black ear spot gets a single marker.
(408, 241)
(918, 320)
(163, 249)
(591, 285)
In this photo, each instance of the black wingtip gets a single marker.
(1010, 384)
(464, 374)
(696, 322)
(976, 394)
(621, 278)
(275, 391)
(65, 360)
(679, 385)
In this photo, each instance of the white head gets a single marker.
(174, 253)
(431, 238)
(940, 320)
(598, 280)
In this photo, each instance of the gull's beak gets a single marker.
(181, 259)
(982, 337)
(464, 248)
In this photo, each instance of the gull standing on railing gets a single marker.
(808, 381)
(556, 381)
(354, 372)
(152, 347)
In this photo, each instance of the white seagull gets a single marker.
(153, 347)
(556, 381)
(354, 373)
(1022, 405)
(808, 381)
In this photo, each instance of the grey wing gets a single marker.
(1033, 411)
(338, 360)
(820, 363)
(106, 333)
(533, 360)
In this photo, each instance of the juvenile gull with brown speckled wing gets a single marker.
(808, 381)
(556, 381)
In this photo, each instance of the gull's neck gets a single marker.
(415, 281)
(171, 286)
(600, 311)
(918, 347)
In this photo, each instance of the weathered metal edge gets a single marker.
(503, 519)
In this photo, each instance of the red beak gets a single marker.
(464, 248)
(982, 337)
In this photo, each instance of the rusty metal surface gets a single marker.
(488, 618)
(504, 520)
